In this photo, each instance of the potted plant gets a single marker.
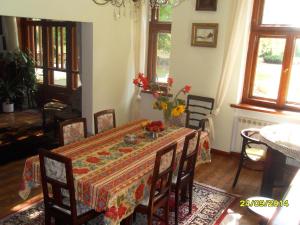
(9, 91)
(17, 79)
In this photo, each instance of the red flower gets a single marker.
(140, 75)
(206, 145)
(125, 150)
(145, 83)
(155, 126)
(187, 89)
(170, 81)
(112, 213)
(103, 153)
(141, 81)
(80, 170)
(121, 211)
(139, 192)
(93, 160)
(136, 81)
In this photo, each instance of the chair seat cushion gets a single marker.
(256, 154)
(80, 207)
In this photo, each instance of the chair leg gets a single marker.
(149, 218)
(128, 220)
(47, 219)
(190, 196)
(238, 171)
(183, 193)
(176, 206)
(167, 213)
(58, 222)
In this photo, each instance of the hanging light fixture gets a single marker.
(121, 3)
(157, 3)
(135, 4)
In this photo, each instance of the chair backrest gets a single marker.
(162, 174)
(251, 139)
(57, 178)
(104, 120)
(197, 108)
(72, 130)
(188, 158)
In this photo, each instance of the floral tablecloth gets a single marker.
(110, 175)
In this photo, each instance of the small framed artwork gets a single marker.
(206, 5)
(205, 34)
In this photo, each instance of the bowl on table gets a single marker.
(130, 139)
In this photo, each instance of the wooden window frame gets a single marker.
(259, 30)
(155, 27)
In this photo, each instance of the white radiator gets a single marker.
(241, 123)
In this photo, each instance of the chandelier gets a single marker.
(121, 3)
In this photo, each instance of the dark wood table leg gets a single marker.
(128, 220)
(274, 165)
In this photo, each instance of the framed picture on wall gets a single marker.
(206, 5)
(204, 34)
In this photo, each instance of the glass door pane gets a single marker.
(60, 78)
(268, 67)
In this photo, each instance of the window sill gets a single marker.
(263, 109)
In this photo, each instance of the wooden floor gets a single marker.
(219, 173)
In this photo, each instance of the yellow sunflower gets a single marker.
(164, 106)
(178, 110)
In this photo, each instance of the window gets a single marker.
(54, 50)
(273, 63)
(159, 46)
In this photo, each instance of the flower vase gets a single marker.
(167, 120)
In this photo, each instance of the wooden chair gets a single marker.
(160, 185)
(252, 150)
(57, 177)
(72, 130)
(104, 120)
(184, 179)
(197, 109)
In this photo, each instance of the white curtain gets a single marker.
(139, 31)
(238, 40)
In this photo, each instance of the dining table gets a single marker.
(283, 141)
(110, 175)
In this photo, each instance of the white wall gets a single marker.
(105, 84)
(200, 67)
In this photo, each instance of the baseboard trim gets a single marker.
(220, 152)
